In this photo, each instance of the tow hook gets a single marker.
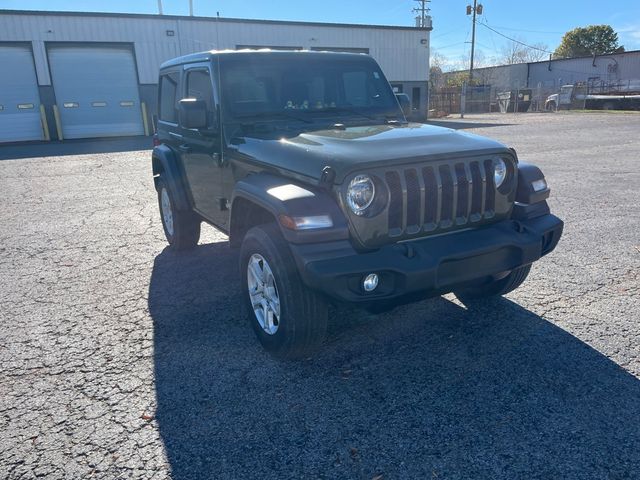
(519, 226)
(406, 249)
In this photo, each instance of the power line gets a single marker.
(493, 42)
(528, 31)
(448, 46)
(449, 32)
(513, 39)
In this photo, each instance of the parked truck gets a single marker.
(597, 96)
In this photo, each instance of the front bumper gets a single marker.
(428, 266)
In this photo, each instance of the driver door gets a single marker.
(200, 149)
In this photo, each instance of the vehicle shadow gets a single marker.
(17, 151)
(462, 125)
(431, 390)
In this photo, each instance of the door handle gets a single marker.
(184, 148)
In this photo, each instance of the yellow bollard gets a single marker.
(145, 122)
(45, 124)
(56, 115)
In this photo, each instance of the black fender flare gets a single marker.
(164, 163)
(283, 196)
(525, 193)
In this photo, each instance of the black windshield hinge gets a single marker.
(328, 176)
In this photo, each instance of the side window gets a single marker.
(199, 87)
(355, 88)
(168, 97)
(364, 89)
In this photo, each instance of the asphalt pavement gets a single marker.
(122, 359)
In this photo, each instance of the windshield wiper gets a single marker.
(274, 114)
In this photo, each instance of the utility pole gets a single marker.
(423, 12)
(159, 7)
(473, 39)
(476, 9)
(423, 21)
(191, 8)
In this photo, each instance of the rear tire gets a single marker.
(182, 228)
(289, 319)
(496, 288)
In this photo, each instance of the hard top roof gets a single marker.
(209, 55)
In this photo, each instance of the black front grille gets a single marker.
(439, 197)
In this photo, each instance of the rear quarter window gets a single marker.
(168, 110)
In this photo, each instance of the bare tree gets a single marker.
(480, 60)
(519, 52)
(437, 64)
(438, 60)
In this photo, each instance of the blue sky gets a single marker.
(532, 22)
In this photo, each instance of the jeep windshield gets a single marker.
(306, 87)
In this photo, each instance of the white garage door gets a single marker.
(96, 91)
(19, 98)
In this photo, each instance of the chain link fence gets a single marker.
(596, 95)
(484, 99)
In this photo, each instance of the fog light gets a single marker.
(370, 282)
(539, 185)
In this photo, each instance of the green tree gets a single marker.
(456, 79)
(591, 40)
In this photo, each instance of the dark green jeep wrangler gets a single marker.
(306, 161)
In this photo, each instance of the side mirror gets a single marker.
(405, 103)
(192, 113)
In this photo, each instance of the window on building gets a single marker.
(168, 97)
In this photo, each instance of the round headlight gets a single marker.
(360, 194)
(499, 171)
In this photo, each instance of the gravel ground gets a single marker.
(121, 359)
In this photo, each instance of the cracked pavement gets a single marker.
(121, 359)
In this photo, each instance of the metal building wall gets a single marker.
(398, 49)
(403, 52)
(503, 77)
(547, 77)
(608, 68)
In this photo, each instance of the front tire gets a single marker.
(182, 228)
(496, 288)
(289, 319)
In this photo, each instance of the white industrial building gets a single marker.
(80, 75)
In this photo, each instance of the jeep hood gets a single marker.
(357, 148)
